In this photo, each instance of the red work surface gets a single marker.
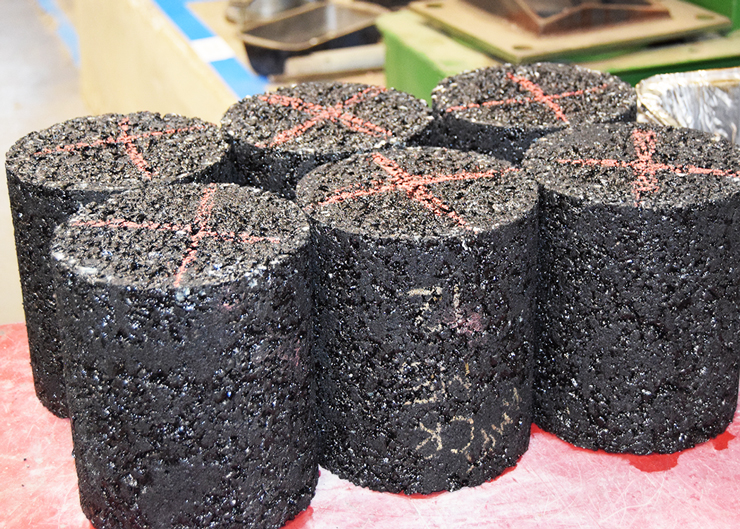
(555, 485)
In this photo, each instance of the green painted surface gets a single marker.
(418, 57)
(635, 76)
(728, 8)
(722, 52)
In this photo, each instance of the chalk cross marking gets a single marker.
(435, 436)
(197, 230)
(337, 113)
(644, 167)
(134, 154)
(414, 186)
(538, 96)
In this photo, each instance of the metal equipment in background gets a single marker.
(245, 13)
(438, 38)
(310, 28)
(707, 100)
(546, 17)
(531, 30)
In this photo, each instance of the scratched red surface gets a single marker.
(554, 485)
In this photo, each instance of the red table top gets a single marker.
(555, 485)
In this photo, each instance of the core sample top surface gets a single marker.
(417, 192)
(531, 96)
(181, 236)
(327, 118)
(116, 151)
(632, 165)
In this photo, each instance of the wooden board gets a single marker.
(212, 14)
(135, 57)
(677, 57)
(503, 39)
(555, 485)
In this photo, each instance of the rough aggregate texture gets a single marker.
(54, 171)
(279, 137)
(638, 293)
(502, 110)
(192, 405)
(424, 325)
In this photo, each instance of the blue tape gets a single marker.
(239, 79)
(184, 19)
(65, 29)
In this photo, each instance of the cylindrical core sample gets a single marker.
(52, 172)
(187, 320)
(502, 110)
(638, 296)
(424, 291)
(280, 136)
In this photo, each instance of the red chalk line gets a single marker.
(538, 96)
(202, 218)
(134, 154)
(226, 236)
(199, 232)
(645, 168)
(414, 186)
(336, 114)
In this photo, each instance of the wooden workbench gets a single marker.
(157, 55)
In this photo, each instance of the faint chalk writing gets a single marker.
(434, 435)
(443, 391)
(469, 437)
(470, 421)
(462, 320)
(428, 296)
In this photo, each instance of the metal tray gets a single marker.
(311, 25)
(707, 100)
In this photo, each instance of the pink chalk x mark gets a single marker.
(202, 219)
(197, 230)
(336, 114)
(537, 96)
(134, 154)
(644, 167)
(414, 186)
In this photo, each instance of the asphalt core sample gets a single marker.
(187, 324)
(638, 295)
(280, 136)
(502, 110)
(424, 291)
(53, 171)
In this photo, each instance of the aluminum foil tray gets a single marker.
(707, 100)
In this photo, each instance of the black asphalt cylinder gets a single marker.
(424, 292)
(52, 172)
(638, 296)
(186, 317)
(502, 110)
(279, 137)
